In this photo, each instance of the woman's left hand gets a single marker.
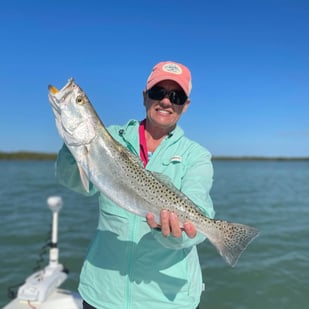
(170, 224)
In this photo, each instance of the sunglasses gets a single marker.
(177, 97)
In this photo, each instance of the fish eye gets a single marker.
(79, 100)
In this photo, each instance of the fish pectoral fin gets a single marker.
(84, 178)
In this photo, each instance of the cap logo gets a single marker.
(172, 68)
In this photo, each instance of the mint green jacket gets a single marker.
(128, 264)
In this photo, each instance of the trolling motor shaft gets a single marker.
(55, 204)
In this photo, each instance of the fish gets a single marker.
(118, 173)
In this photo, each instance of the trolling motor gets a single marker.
(41, 284)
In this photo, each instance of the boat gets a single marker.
(41, 290)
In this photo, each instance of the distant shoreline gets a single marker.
(24, 155)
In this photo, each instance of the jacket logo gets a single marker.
(176, 158)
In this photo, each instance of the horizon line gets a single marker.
(52, 155)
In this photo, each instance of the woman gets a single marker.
(136, 262)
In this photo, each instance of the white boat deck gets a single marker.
(59, 299)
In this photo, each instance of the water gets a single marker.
(272, 195)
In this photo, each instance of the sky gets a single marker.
(249, 61)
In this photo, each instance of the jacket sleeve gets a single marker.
(67, 173)
(196, 184)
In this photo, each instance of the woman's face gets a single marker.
(162, 113)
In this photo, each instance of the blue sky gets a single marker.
(249, 61)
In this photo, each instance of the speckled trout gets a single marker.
(119, 174)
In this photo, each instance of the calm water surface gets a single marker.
(272, 195)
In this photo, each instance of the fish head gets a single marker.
(75, 117)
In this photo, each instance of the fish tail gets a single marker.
(231, 239)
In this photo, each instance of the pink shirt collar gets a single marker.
(143, 151)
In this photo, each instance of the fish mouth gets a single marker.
(56, 97)
(65, 89)
(52, 89)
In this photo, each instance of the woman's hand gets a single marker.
(170, 224)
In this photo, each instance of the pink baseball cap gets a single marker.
(170, 70)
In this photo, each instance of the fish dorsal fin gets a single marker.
(166, 180)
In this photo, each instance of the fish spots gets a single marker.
(236, 236)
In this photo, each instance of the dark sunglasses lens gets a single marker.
(156, 93)
(176, 97)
